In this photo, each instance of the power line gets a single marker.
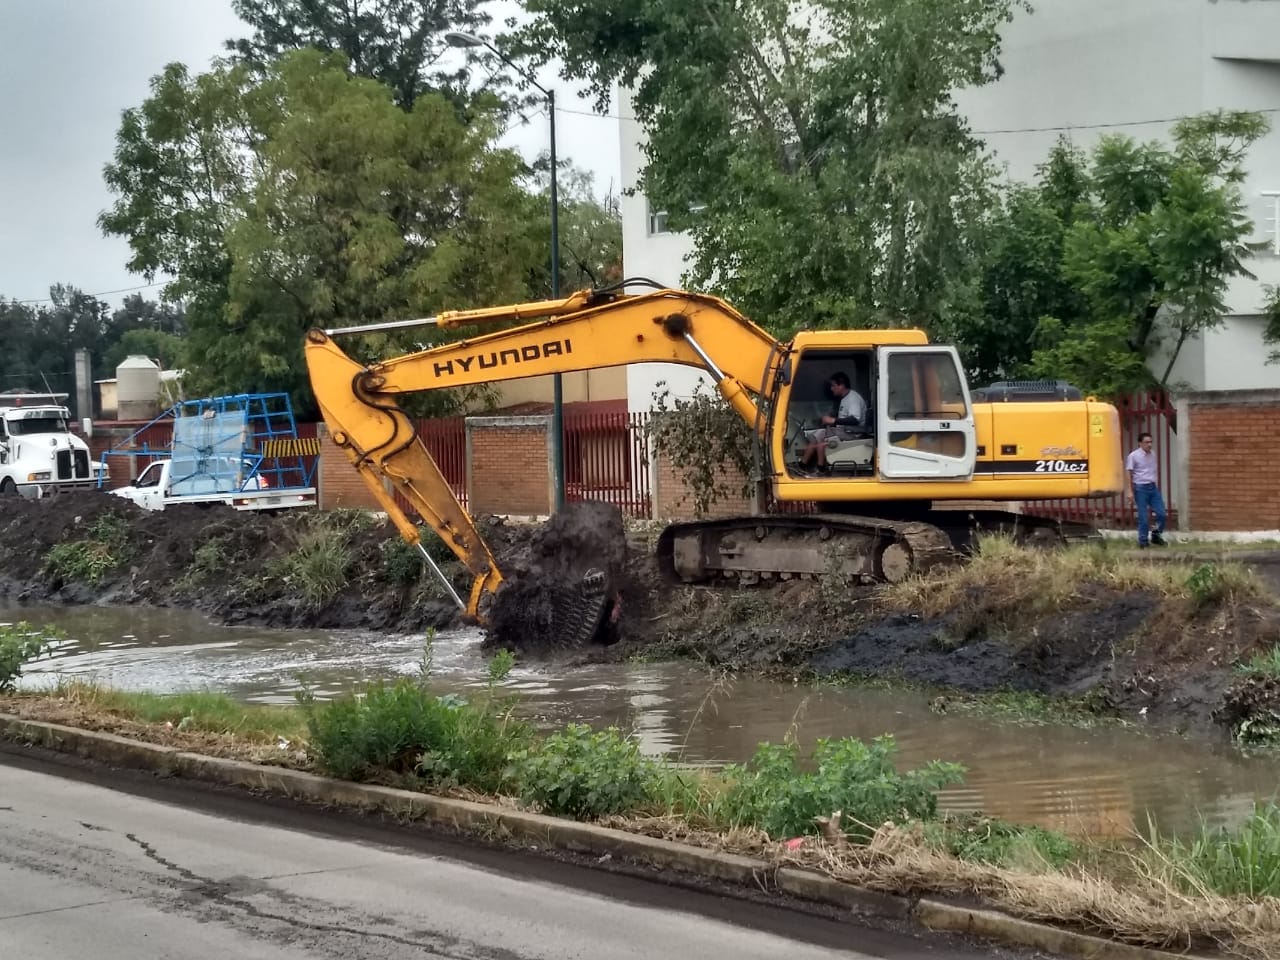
(1051, 129)
(103, 293)
(1108, 126)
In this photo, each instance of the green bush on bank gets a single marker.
(771, 791)
(104, 549)
(402, 731)
(20, 643)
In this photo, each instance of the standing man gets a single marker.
(845, 423)
(1140, 486)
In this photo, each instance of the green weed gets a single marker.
(859, 779)
(981, 839)
(404, 731)
(104, 549)
(402, 565)
(1244, 860)
(585, 773)
(1262, 665)
(209, 558)
(195, 711)
(20, 643)
(319, 565)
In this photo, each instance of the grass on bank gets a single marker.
(1027, 582)
(190, 712)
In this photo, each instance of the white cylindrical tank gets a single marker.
(137, 388)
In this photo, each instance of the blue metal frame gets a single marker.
(268, 416)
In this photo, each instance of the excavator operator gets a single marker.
(847, 421)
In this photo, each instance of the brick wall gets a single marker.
(509, 466)
(1232, 440)
(340, 485)
(672, 499)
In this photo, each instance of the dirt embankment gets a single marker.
(1158, 639)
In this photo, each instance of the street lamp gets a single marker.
(469, 40)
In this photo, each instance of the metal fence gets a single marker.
(606, 458)
(1150, 412)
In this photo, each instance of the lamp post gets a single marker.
(469, 40)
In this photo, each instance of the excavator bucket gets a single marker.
(563, 591)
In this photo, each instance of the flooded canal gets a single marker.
(1103, 781)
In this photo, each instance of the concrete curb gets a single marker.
(496, 822)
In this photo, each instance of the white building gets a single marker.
(1085, 68)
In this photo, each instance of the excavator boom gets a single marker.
(588, 330)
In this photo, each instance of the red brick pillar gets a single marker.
(509, 466)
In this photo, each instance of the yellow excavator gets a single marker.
(897, 493)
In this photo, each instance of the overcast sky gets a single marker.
(68, 70)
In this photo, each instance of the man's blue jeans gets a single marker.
(1147, 500)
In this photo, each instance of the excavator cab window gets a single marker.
(811, 398)
(927, 424)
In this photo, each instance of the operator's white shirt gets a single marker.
(852, 405)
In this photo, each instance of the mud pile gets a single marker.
(235, 566)
(564, 583)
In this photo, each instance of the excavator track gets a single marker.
(580, 607)
(752, 549)
(867, 549)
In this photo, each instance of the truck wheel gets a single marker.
(8, 488)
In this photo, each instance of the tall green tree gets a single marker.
(813, 149)
(396, 42)
(41, 339)
(1152, 246)
(305, 197)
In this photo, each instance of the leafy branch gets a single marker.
(706, 441)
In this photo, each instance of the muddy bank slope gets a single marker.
(296, 569)
(1127, 634)
(1184, 642)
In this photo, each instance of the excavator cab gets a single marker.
(919, 422)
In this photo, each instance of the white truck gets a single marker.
(225, 480)
(39, 455)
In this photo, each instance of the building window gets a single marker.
(1273, 219)
(657, 221)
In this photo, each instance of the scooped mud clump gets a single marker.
(564, 588)
(1251, 708)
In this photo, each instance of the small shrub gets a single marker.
(859, 779)
(20, 643)
(104, 549)
(319, 565)
(209, 558)
(586, 774)
(707, 441)
(402, 565)
(402, 731)
(1263, 665)
(981, 839)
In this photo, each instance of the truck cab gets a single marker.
(228, 480)
(39, 455)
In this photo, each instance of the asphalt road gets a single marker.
(87, 871)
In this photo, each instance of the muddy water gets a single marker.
(1105, 781)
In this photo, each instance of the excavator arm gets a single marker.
(588, 330)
